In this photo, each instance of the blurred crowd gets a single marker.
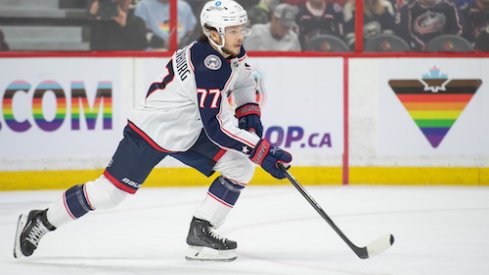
(388, 25)
(137, 25)
(299, 25)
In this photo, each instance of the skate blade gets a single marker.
(20, 226)
(206, 254)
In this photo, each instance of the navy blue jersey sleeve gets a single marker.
(212, 74)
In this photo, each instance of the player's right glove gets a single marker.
(268, 157)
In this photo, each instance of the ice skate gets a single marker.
(206, 245)
(30, 229)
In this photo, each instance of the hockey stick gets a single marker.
(374, 248)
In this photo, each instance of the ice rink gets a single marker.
(438, 230)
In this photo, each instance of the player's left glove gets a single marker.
(249, 118)
(268, 158)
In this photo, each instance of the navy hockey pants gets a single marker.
(137, 155)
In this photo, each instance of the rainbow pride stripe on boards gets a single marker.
(37, 111)
(81, 105)
(435, 102)
(7, 106)
(79, 96)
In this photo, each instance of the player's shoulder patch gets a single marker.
(213, 62)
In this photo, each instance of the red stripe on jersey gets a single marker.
(219, 155)
(250, 144)
(147, 138)
(228, 82)
(221, 123)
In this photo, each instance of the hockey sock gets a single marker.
(76, 201)
(73, 205)
(80, 199)
(225, 191)
(220, 199)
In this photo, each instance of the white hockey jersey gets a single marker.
(193, 95)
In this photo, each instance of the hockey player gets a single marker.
(185, 115)
(318, 17)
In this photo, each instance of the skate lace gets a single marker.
(37, 231)
(216, 236)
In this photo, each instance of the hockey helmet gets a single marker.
(220, 14)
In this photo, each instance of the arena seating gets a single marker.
(44, 24)
(326, 43)
(386, 43)
(448, 43)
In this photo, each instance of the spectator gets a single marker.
(318, 17)
(260, 13)
(381, 11)
(3, 44)
(197, 5)
(463, 3)
(378, 18)
(349, 10)
(482, 42)
(476, 17)
(398, 4)
(423, 20)
(247, 4)
(339, 2)
(278, 34)
(294, 2)
(114, 27)
(156, 15)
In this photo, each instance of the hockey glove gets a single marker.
(268, 157)
(249, 118)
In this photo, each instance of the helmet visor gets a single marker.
(243, 30)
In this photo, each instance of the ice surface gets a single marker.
(438, 230)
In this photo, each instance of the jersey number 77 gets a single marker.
(203, 93)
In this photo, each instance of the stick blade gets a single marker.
(378, 246)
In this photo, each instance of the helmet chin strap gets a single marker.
(218, 47)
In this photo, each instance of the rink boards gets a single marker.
(346, 120)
